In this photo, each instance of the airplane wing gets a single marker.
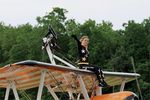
(26, 75)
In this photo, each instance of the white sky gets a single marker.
(17, 12)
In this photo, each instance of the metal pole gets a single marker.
(43, 74)
(71, 97)
(82, 85)
(14, 90)
(50, 54)
(138, 86)
(78, 98)
(7, 92)
(122, 85)
(63, 61)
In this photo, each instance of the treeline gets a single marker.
(110, 49)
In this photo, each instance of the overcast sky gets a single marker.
(17, 12)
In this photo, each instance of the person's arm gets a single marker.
(77, 40)
(75, 37)
(78, 43)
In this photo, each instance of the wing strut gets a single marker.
(7, 92)
(82, 85)
(12, 86)
(42, 79)
(123, 84)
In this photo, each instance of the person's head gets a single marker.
(84, 41)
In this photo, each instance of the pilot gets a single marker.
(83, 59)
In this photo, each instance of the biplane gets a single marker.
(66, 78)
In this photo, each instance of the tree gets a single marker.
(56, 18)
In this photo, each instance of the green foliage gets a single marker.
(55, 18)
(110, 49)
